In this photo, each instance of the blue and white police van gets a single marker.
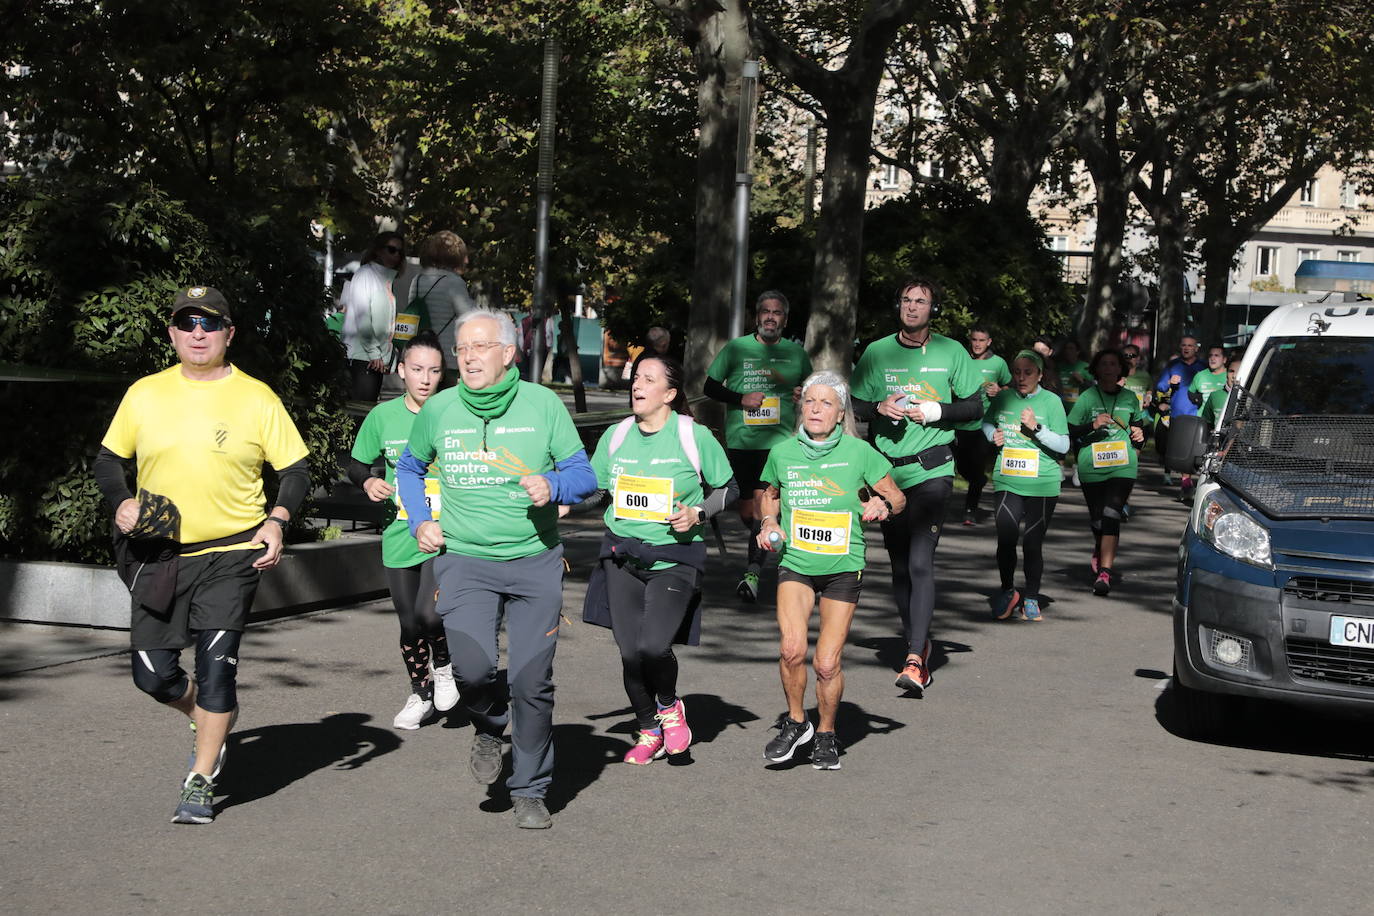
(1275, 592)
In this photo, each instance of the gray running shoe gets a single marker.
(792, 736)
(485, 760)
(531, 814)
(825, 753)
(197, 801)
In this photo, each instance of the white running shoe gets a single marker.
(445, 689)
(413, 713)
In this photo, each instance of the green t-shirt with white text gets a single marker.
(940, 371)
(1206, 382)
(745, 364)
(650, 474)
(486, 513)
(821, 512)
(385, 432)
(1107, 452)
(991, 368)
(1023, 465)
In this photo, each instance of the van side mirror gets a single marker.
(1187, 444)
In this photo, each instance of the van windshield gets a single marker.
(1319, 376)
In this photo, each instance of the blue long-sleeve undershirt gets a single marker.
(572, 480)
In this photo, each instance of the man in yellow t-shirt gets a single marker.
(194, 541)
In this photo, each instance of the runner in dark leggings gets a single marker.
(665, 476)
(409, 570)
(1108, 427)
(1026, 423)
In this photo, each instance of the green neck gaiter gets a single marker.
(813, 448)
(494, 400)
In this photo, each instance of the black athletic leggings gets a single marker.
(413, 591)
(911, 539)
(1105, 499)
(647, 608)
(1035, 512)
(972, 451)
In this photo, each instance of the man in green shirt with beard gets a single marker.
(757, 377)
(914, 388)
(508, 455)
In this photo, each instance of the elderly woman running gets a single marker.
(826, 483)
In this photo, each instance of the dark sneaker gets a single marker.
(792, 736)
(825, 753)
(1103, 585)
(531, 814)
(197, 801)
(485, 759)
(969, 520)
(748, 587)
(1005, 604)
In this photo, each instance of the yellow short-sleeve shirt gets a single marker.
(202, 446)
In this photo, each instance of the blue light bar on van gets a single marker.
(1337, 276)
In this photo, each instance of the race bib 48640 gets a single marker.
(769, 413)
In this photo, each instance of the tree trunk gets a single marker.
(1218, 255)
(1098, 320)
(1173, 308)
(720, 46)
(839, 240)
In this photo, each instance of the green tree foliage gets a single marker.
(993, 263)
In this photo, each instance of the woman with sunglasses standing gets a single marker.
(409, 570)
(1108, 427)
(370, 315)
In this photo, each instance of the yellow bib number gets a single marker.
(643, 499)
(431, 499)
(1110, 454)
(820, 532)
(769, 413)
(407, 326)
(1020, 462)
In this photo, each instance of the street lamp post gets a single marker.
(744, 154)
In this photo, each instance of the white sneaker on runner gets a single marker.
(413, 713)
(445, 689)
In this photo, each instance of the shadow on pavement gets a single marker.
(1282, 729)
(852, 725)
(263, 761)
(890, 651)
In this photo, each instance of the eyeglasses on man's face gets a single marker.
(209, 323)
(479, 347)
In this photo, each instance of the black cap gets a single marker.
(205, 299)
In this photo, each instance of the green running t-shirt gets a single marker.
(486, 513)
(940, 371)
(650, 474)
(1074, 378)
(1023, 465)
(1206, 382)
(1140, 384)
(991, 368)
(821, 512)
(1107, 452)
(745, 364)
(385, 432)
(1213, 407)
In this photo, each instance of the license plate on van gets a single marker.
(1352, 631)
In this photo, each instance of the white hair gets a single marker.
(835, 383)
(505, 328)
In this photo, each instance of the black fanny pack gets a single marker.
(930, 458)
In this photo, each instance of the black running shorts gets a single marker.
(841, 586)
(214, 592)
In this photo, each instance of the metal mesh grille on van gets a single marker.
(1300, 466)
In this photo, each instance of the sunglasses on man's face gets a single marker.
(209, 323)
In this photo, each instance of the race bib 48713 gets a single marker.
(1021, 462)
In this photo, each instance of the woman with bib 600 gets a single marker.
(825, 482)
(653, 465)
(1028, 426)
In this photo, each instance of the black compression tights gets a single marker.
(1013, 511)
(911, 538)
(422, 632)
(647, 607)
(1105, 499)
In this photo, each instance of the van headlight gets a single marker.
(1223, 524)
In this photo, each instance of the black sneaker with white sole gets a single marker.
(792, 736)
(825, 752)
(484, 762)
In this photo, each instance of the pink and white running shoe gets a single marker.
(647, 749)
(677, 737)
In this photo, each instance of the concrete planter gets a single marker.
(309, 577)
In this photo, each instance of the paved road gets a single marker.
(1040, 775)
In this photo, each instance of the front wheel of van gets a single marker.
(1203, 716)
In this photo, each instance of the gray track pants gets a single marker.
(474, 596)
